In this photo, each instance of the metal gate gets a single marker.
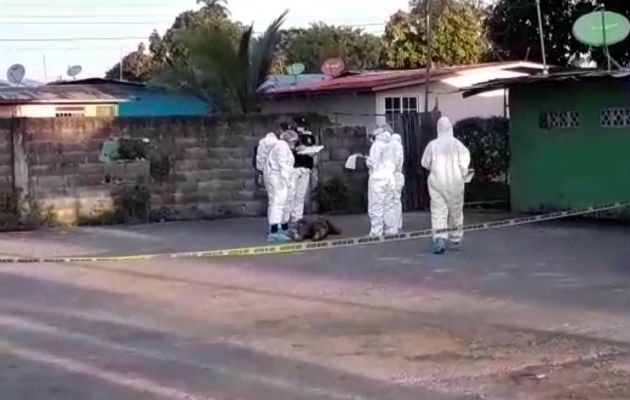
(417, 130)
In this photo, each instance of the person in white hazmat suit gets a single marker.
(278, 170)
(264, 145)
(448, 160)
(399, 178)
(381, 183)
(301, 177)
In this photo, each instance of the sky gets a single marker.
(48, 36)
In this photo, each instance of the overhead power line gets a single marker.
(73, 39)
(123, 22)
(84, 22)
(99, 15)
(84, 4)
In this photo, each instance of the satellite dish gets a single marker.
(589, 28)
(295, 69)
(74, 71)
(16, 73)
(334, 67)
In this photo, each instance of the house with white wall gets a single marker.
(97, 97)
(374, 97)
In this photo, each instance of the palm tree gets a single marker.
(219, 6)
(226, 73)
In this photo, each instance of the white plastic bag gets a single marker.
(468, 177)
(351, 162)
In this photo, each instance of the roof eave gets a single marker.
(26, 102)
(315, 93)
(560, 77)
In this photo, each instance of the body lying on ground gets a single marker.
(317, 229)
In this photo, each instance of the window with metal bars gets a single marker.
(399, 105)
(616, 117)
(559, 120)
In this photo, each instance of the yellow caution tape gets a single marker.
(328, 244)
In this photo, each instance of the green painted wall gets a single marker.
(564, 168)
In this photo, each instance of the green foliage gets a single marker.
(160, 166)
(488, 142)
(15, 215)
(10, 211)
(172, 47)
(133, 204)
(131, 149)
(342, 194)
(138, 66)
(512, 27)
(228, 73)
(125, 149)
(320, 41)
(332, 195)
(457, 36)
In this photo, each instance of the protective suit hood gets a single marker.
(444, 128)
(383, 136)
(396, 138)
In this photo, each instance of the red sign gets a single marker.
(334, 67)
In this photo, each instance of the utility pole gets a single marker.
(542, 38)
(120, 77)
(45, 71)
(605, 45)
(427, 74)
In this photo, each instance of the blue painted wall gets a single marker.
(156, 102)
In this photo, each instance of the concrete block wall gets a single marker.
(340, 142)
(6, 164)
(198, 167)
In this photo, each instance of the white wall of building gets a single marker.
(51, 110)
(344, 109)
(27, 110)
(451, 104)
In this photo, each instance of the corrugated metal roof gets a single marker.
(58, 94)
(281, 81)
(572, 75)
(97, 81)
(373, 81)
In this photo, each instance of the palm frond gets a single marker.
(263, 51)
(227, 71)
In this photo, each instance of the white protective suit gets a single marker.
(399, 178)
(300, 180)
(277, 173)
(448, 160)
(381, 183)
(264, 145)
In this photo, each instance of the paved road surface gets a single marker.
(532, 312)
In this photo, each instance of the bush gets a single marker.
(342, 194)
(332, 195)
(125, 149)
(489, 144)
(14, 215)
